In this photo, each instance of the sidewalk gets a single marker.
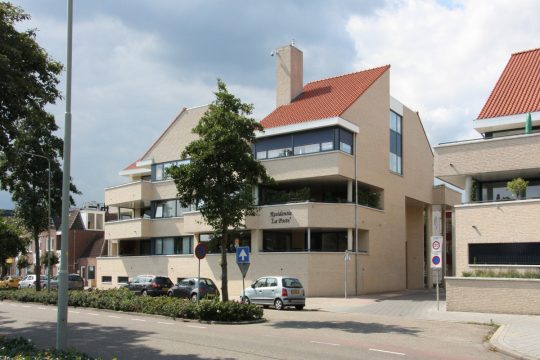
(518, 335)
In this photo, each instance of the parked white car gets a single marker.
(279, 291)
(29, 281)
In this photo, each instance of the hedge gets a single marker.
(124, 300)
(22, 349)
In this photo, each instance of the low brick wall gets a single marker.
(493, 295)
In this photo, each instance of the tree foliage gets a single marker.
(11, 242)
(28, 83)
(222, 171)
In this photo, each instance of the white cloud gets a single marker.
(445, 59)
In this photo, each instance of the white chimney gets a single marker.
(289, 74)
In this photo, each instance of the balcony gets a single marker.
(131, 195)
(302, 215)
(333, 163)
(129, 229)
(488, 159)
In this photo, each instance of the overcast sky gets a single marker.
(137, 63)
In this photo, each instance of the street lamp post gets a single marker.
(48, 220)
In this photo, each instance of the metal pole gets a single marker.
(356, 214)
(243, 289)
(437, 280)
(199, 282)
(61, 323)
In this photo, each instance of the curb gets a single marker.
(496, 342)
(212, 322)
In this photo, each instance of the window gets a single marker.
(172, 245)
(305, 142)
(169, 208)
(504, 254)
(91, 272)
(106, 279)
(91, 222)
(99, 221)
(213, 242)
(329, 241)
(159, 171)
(396, 143)
(284, 241)
(122, 279)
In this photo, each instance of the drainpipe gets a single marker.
(356, 213)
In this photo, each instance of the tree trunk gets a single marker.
(4, 269)
(224, 278)
(37, 265)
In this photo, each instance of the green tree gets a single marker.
(51, 256)
(28, 80)
(11, 243)
(222, 171)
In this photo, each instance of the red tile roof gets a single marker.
(324, 99)
(518, 88)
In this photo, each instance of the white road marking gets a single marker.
(26, 306)
(74, 312)
(388, 352)
(114, 317)
(196, 327)
(165, 323)
(14, 305)
(139, 320)
(325, 343)
(42, 308)
(93, 314)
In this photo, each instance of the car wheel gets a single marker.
(170, 294)
(299, 307)
(246, 300)
(144, 293)
(194, 297)
(278, 304)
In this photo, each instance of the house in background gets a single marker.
(327, 144)
(494, 229)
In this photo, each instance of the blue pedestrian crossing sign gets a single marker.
(242, 255)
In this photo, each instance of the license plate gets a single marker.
(295, 292)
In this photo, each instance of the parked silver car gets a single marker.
(75, 282)
(279, 291)
(29, 281)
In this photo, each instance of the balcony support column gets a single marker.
(468, 190)
(349, 191)
(350, 239)
(308, 239)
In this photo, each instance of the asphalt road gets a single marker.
(286, 335)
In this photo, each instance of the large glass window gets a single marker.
(169, 208)
(284, 241)
(213, 242)
(159, 171)
(328, 241)
(396, 147)
(496, 190)
(504, 254)
(172, 245)
(305, 142)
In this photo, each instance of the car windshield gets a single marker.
(291, 283)
(43, 277)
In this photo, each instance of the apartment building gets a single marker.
(353, 170)
(493, 228)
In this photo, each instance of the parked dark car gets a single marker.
(151, 285)
(188, 289)
(75, 282)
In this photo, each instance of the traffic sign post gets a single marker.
(436, 260)
(243, 261)
(200, 253)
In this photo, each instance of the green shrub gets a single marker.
(124, 300)
(22, 349)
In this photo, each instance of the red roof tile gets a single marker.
(324, 99)
(518, 88)
(133, 165)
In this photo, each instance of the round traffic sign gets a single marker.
(436, 260)
(200, 251)
(436, 245)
